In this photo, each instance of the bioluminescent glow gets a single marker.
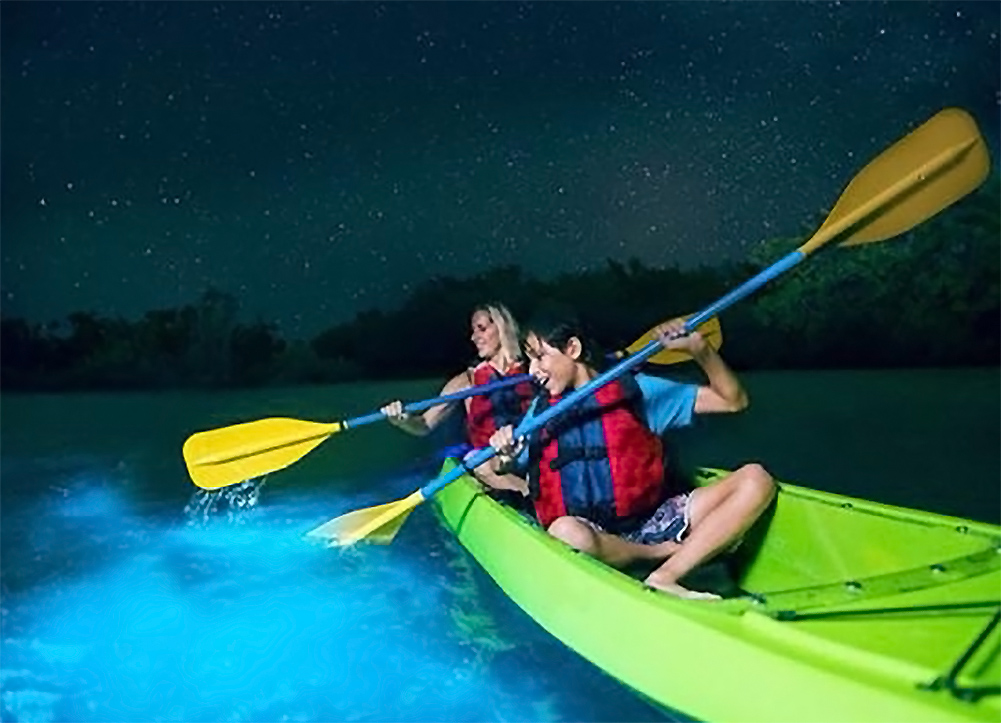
(115, 616)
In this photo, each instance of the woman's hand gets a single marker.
(395, 414)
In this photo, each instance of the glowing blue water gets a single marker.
(110, 614)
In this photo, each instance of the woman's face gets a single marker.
(485, 335)
(553, 368)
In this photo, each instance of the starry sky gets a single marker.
(318, 159)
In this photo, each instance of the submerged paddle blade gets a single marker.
(377, 524)
(710, 330)
(924, 172)
(230, 455)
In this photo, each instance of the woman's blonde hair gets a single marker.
(507, 328)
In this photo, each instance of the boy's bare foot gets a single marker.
(673, 588)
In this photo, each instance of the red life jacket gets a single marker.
(599, 461)
(489, 412)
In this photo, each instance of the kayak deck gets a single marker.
(852, 611)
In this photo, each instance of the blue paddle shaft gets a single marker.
(528, 426)
(428, 403)
(747, 288)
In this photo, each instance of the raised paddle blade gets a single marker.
(221, 457)
(377, 524)
(710, 330)
(924, 172)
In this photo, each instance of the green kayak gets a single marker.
(845, 610)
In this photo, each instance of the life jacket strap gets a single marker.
(573, 454)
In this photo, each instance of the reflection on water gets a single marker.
(228, 614)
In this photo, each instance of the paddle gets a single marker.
(932, 167)
(710, 330)
(220, 457)
(230, 455)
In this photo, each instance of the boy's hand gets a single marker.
(693, 343)
(503, 441)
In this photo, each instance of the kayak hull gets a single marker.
(845, 616)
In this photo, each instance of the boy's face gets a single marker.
(553, 368)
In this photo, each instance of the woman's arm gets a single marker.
(422, 424)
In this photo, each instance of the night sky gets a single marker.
(319, 159)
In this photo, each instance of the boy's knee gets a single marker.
(573, 532)
(756, 478)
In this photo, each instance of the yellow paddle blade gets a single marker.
(710, 330)
(924, 172)
(221, 457)
(377, 524)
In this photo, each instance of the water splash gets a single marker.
(235, 502)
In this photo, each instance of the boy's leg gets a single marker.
(719, 515)
(610, 549)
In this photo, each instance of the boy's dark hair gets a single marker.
(556, 323)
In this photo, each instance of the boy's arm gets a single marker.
(494, 474)
(724, 393)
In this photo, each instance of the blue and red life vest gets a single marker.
(489, 412)
(599, 461)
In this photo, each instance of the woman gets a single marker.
(495, 336)
(596, 473)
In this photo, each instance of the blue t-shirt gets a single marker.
(666, 405)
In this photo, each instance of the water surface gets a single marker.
(117, 606)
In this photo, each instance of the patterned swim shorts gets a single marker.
(670, 521)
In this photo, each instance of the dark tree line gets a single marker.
(197, 345)
(930, 298)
